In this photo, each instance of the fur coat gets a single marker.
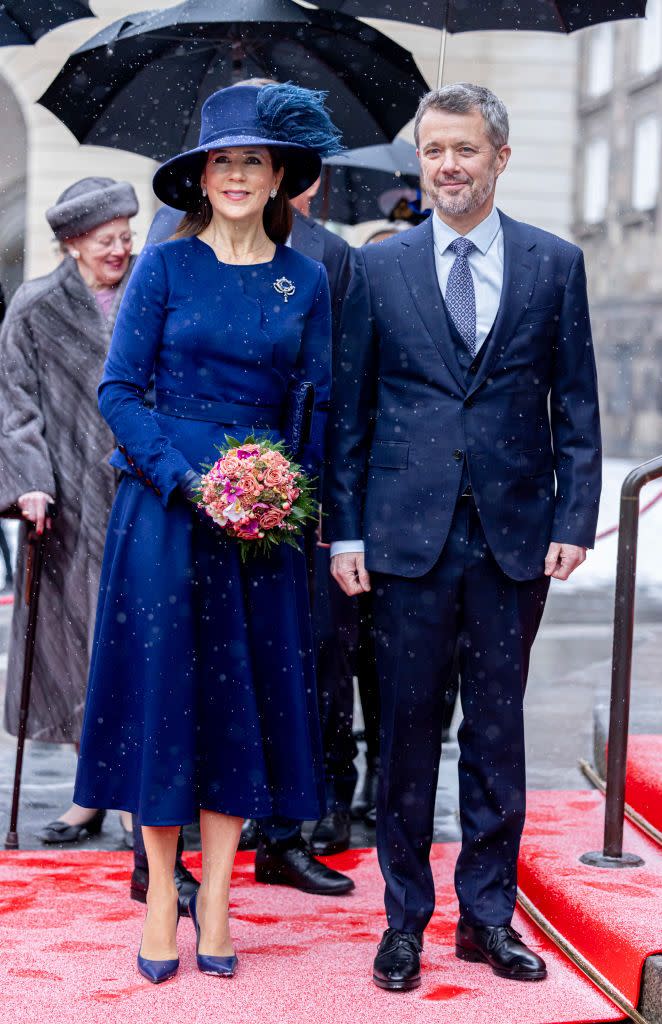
(53, 346)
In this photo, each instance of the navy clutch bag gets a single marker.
(298, 415)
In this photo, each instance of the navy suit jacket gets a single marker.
(406, 418)
(332, 251)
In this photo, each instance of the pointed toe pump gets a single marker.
(221, 966)
(157, 971)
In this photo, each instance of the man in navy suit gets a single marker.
(479, 481)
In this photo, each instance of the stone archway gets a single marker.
(13, 171)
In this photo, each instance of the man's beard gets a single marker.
(457, 206)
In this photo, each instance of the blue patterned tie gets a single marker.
(460, 292)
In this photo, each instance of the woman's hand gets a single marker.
(33, 505)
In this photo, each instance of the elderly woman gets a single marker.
(54, 447)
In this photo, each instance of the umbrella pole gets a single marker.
(442, 45)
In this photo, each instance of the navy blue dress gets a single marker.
(202, 689)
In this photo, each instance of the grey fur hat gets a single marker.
(88, 203)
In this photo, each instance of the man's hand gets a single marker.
(349, 572)
(562, 559)
(33, 505)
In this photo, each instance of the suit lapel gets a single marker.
(520, 271)
(418, 268)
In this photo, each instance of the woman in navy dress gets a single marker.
(201, 694)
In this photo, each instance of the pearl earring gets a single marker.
(75, 253)
(273, 193)
(204, 192)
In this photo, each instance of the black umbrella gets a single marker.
(351, 195)
(25, 21)
(482, 15)
(141, 86)
(366, 183)
(396, 158)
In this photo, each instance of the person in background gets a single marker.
(54, 447)
(282, 855)
(8, 582)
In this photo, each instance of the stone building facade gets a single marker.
(618, 223)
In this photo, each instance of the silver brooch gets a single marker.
(284, 287)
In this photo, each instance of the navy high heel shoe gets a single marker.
(221, 966)
(157, 971)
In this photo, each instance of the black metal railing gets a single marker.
(612, 854)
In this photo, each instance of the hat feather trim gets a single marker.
(291, 114)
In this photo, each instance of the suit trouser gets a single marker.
(366, 671)
(335, 627)
(465, 597)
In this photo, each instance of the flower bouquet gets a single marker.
(257, 495)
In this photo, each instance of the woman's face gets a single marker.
(238, 181)
(104, 252)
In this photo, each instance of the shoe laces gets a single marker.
(499, 935)
(393, 938)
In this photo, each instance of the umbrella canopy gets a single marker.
(141, 86)
(474, 15)
(395, 158)
(22, 23)
(352, 195)
(365, 184)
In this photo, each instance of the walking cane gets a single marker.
(31, 587)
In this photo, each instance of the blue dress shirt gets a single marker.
(485, 263)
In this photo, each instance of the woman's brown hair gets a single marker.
(277, 215)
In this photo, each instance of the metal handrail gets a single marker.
(621, 670)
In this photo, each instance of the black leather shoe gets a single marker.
(250, 835)
(365, 794)
(331, 834)
(295, 866)
(186, 884)
(502, 948)
(57, 832)
(397, 965)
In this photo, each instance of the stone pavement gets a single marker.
(570, 668)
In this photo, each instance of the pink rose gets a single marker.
(270, 519)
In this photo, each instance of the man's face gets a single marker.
(459, 164)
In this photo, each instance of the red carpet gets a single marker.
(612, 916)
(69, 936)
(643, 788)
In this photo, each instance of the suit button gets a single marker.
(469, 404)
(473, 370)
(458, 455)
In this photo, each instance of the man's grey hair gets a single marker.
(463, 98)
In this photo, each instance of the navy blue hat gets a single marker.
(284, 116)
